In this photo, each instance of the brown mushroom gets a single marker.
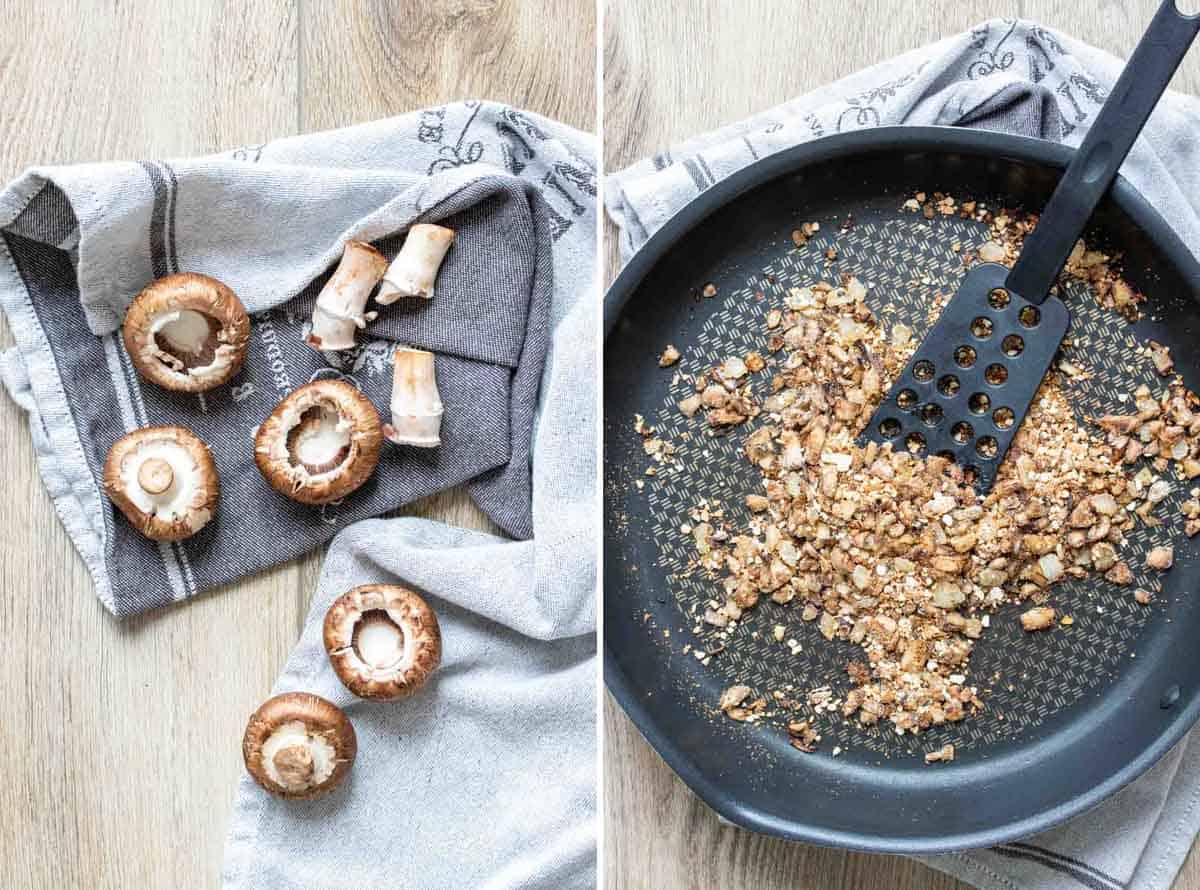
(299, 745)
(187, 332)
(338, 313)
(383, 641)
(164, 480)
(320, 443)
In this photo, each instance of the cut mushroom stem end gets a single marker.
(415, 269)
(164, 480)
(299, 745)
(416, 404)
(383, 641)
(339, 313)
(155, 476)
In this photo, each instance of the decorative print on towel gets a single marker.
(865, 107)
(993, 60)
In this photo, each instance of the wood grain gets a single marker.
(119, 743)
(670, 73)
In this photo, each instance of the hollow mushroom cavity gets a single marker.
(187, 332)
(299, 745)
(416, 405)
(164, 480)
(383, 641)
(415, 268)
(339, 313)
(320, 443)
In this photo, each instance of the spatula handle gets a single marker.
(1105, 147)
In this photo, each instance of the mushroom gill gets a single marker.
(320, 443)
(383, 641)
(187, 332)
(378, 640)
(320, 440)
(187, 339)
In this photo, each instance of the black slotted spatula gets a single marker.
(967, 388)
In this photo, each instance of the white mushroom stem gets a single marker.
(297, 759)
(415, 268)
(416, 406)
(161, 479)
(339, 310)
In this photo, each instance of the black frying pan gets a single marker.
(1070, 716)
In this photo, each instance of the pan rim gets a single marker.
(945, 140)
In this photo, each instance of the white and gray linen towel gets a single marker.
(79, 242)
(1018, 77)
(487, 777)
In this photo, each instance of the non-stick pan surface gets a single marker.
(1070, 716)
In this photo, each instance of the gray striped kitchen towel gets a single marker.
(78, 243)
(1019, 77)
(487, 776)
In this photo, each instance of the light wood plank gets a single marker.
(367, 59)
(671, 73)
(120, 742)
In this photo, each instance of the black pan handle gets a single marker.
(1104, 149)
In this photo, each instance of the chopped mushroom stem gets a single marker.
(415, 268)
(164, 480)
(320, 443)
(383, 641)
(299, 745)
(187, 332)
(416, 405)
(339, 310)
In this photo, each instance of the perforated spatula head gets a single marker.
(967, 388)
(969, 385)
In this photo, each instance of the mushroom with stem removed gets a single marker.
(339, 310)
(187, 332)
(416, 405)
(164, 480)
(320, 443)
(299, 745)
(383, 641)
(415, 268)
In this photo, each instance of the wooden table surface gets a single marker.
(120, 741)
(671, 74)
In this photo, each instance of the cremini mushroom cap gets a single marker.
(187, 332)
(164, 480)
(298, 745)
(320, 443)
(383, 641)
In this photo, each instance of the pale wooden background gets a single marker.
(120, 742)
(673, 70)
